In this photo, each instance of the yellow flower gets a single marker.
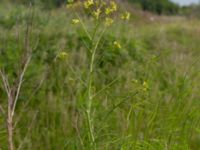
(117, 45)
(97, 13)
(145, 86)
(111, 9)
(108, 11)
(135, 81)
(125, 16)
(70, 4)
(62, 56)
(75, 21)
(88, 3)
(108, 22)
(70, 1)
(113, 6)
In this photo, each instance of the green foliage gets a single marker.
(150, 96)
(158, 6)
(191, 11)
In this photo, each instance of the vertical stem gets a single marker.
(10, 133)
(90, 80)
(89, 105)
(90, 94)
(10, 125)
(91, 135)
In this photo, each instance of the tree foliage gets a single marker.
(158, 6)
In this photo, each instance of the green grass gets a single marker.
(164, 53)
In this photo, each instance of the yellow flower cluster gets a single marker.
(73, 5)
(88, 3)
(101, 10)
(145, 86)
(97, 13)
(125, 16)
(112, 8)
(117, 45)
(75, 21)
(108, 22)
(61, 56)
(96, 8)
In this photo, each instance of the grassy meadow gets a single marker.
(139, 90)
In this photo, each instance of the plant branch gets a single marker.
(20, 84)
(6, 83)
(84, 27)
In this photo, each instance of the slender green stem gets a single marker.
(90, 128)
(84, 27)
(92, 68)
(90, 93)
(90, 78)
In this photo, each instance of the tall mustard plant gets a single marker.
(103, 14)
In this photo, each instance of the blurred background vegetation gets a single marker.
(160, 46)
(158, 6)
(165, 7)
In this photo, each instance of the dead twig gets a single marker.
(13, 90)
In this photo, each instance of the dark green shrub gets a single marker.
(158, 6)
